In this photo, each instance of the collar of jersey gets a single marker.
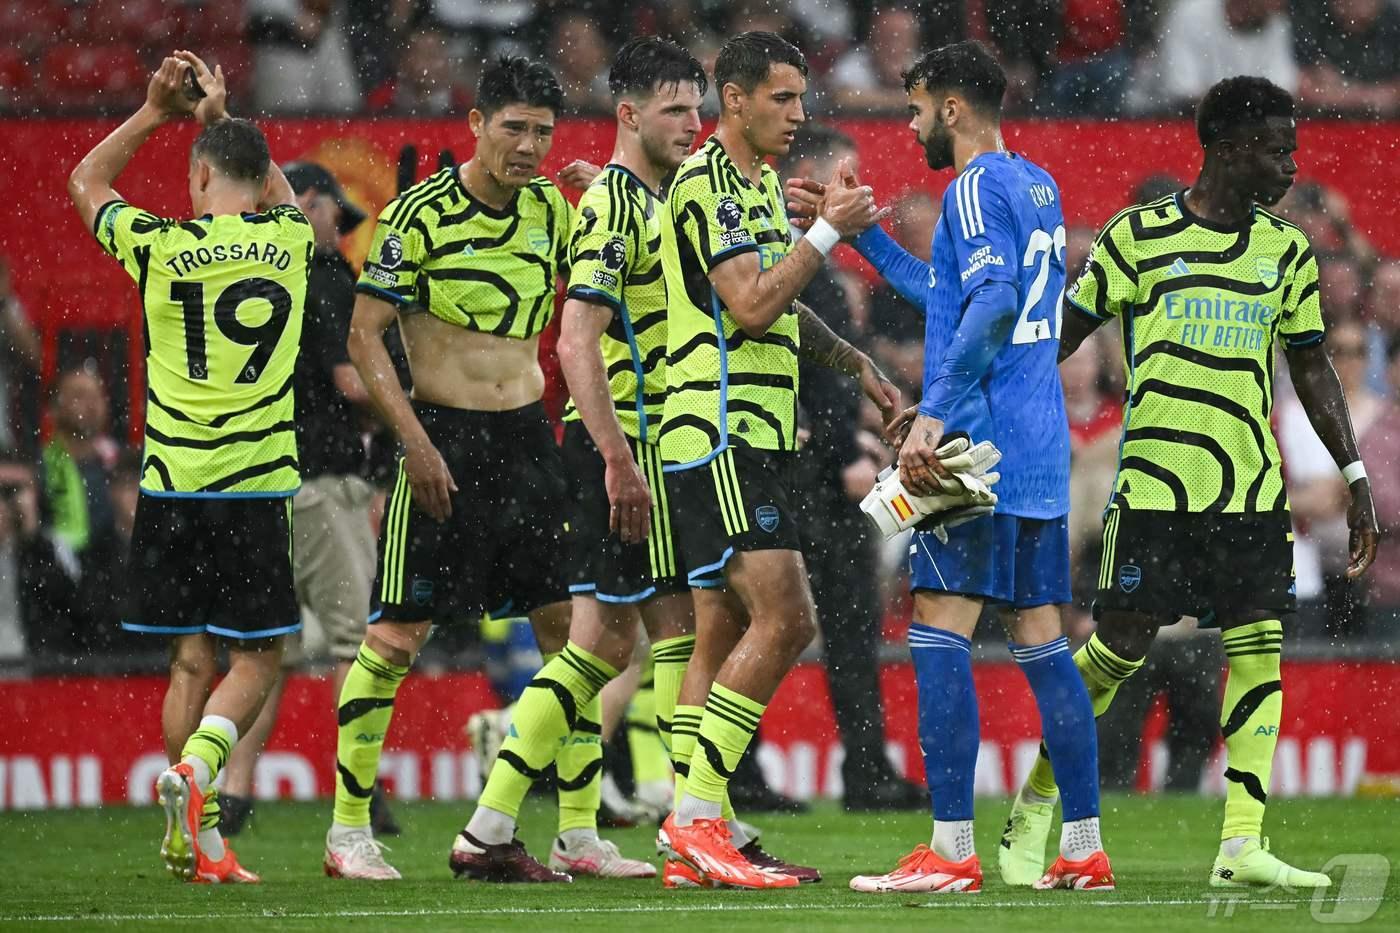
(1212, 224)
(632, 175)
(743, 179)
(503, 214)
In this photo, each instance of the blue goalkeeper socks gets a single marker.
(1066, 722)
(948, 727)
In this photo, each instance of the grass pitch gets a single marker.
(100, 870)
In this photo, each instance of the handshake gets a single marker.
(966, 492)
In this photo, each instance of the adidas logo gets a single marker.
(1180, 268)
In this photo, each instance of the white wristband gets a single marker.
(823, 236)
(1354, 471)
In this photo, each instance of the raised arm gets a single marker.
(907, 273)
(90, 185)
(757, 297)
(1320, 392)
(212, 108)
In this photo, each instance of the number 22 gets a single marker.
(1042, 245)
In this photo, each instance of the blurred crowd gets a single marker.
(68, 480)
(420, 57)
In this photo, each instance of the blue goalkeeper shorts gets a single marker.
(1022, 562)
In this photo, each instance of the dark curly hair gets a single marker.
(235, 148)
(647, 64)
(968, 67)
(1243, 100)
(514, 79)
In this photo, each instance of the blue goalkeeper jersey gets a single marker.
(994, 375)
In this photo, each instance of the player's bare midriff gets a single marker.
(459, 368)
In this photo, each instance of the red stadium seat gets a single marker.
(147, 23)
(30, 23)
(94, 76)
(211, 21)
(237, 60)
(16, 77)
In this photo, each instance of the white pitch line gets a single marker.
(936, 902)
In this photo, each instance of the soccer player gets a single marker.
(223, 297)
(1204, 283)
(467, 261)
(990, 295)
(728, 429)
(621, 561)
(333, 556)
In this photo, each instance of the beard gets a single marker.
(938, 148)
(659, 152)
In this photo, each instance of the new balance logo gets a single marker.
(1180, 268)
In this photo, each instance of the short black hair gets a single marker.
(815, 141)
(647, 64)
(514, 79)
(968, 67)
(747, 58)
(1244, 100)
(234, 148)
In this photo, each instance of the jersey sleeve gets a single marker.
(600, 251)
(983, 227)
(711, 220)
(1107, 286)
(122, 229)
(1301, 325)
(396, 253)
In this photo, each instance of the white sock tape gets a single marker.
(1354, 471)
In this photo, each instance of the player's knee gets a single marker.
(192, 658)
(395, 642)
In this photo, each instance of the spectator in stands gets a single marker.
(1380, 451)
(1382, 322)
(1340, 278)
(427, 83)
(301, 57)
(1316, 490)
(1095, 421)
(580, 56)
(1092, 58)
(870, 75)
(19, 523)
(838, 466)
(1079, 243)
(1349, 51)
(20, 355)
(71, 566)
(897, 327)
(1325, 217)
(1070, 56)
(1204, 41)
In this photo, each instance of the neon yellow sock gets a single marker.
(685, 727)
(726, 729)
(579, 769)
(366, 707)
(669, 657)
(1249, 720)
(651, 762)
(555, 703)
(1103, 672)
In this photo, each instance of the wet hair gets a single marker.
(815, 141)
(517, 80)
(648, 64)
(1242, 101)
(967, 67)
(234, 148)
(747, 59)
